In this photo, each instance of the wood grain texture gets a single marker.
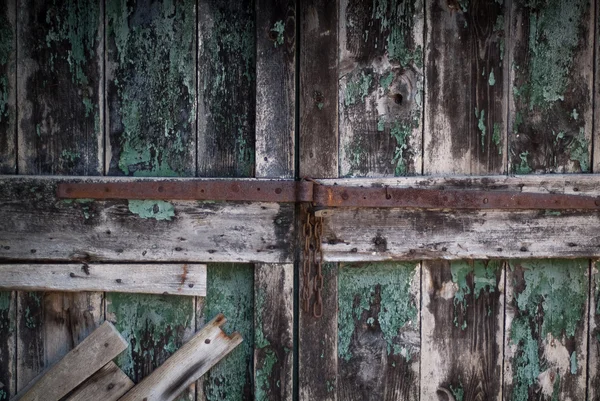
(378, 331)
(593, 384)
(380, 87)
(596, 94)
(546, 330)
(8, 86)
(226, 88)
(551, 86)
(274, 335)
(59, 88)
(466, 78)
(275, 87)
(463, 327)
(230, 292)
(186, 279)
(8, 344)
(187, 365)
(107, 384)
(318, 138)
(151, 88)
(95, 351)
(137, 231)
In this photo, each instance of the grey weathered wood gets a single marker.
(89, 356)
(596, 96)
(551, 58)
(466, 79)
(8, 85)
(546, 330)
(380, 87)
(593, 384)
(186, 365)
(39, 226)
(59, 87)
(107, 384)
(274, 335)
(8, 339)
(275, 87)
(226, 88)
(318, 138)
(180, 279)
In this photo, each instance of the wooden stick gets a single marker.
(107, 384)
(187, 365)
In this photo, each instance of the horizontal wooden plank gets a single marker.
(178, 279)
(38, 226)
(107, 384)
(187, 365)
(88, 357)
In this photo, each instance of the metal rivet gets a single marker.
(345, 196)
(278, 191)
(161, 189)
(485, 200)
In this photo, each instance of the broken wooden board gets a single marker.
(380, 100)
(551, 90)
(546, 330)
(41, 227)
(379, 353)
(98, 349)
(177, 279)
(187, 365)
(8, 88)
(107, 384)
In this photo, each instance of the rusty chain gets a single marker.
(312, 231)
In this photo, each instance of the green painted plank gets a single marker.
(59, 87)
(593, 384)
(551, 88)
(151, 87)
(226, 88)
(8, 41)
(546, 330)
(8, 344)
(378, 331)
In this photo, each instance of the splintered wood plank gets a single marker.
(274, 336)
(36, 225)
(230, 292)
(551, 87)
(151, 87)
(59, 88)
(8, 338)
(463, 326)
(466, 74)
(226, 88)
(107, 384)
(546, 330)
(318, 135)
(378, 331)
(186, 279)
(8, 84)
(593, 384)
(275, 87)
(380, 87)
(49, 325)
(95, 351)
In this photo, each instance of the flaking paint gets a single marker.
(152, 209)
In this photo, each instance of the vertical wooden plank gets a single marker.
(49, 325)
(546, 330)
(230, 292)
(318, 94)
(8, 76)
(273, 331)
(8, 338)
(151, 86)
(275, 87)
(226, 88)
(466, 102)
(593, 384)
(462, 331)
(59, 87)
(378, 326)
(380, 87)
(551, 86)
(596, 95)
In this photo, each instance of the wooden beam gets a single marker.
(187, 365)
(177, 279)
(88, 357)
(107, 384)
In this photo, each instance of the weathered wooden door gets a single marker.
(418, 304)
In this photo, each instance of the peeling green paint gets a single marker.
(574, 363)
(231, 292)
(386, 81)
(497, 137)
(358, 88)
(401, 133)
(263, 375)
(69, 156)
(523, 167)
(357, 287)
(458, 392)
(152, 209)
(279, 29)
(575, 114)
(481, 125)
(478, 275)
(578, 151)
(492, 78)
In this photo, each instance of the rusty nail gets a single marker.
(345, 196)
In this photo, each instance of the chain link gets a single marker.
(312, 231)
(318, 260)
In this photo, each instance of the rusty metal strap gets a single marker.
(324, 196)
